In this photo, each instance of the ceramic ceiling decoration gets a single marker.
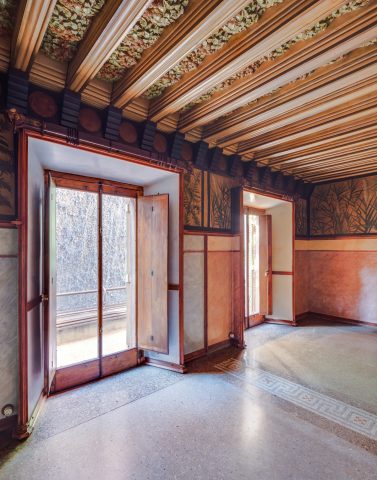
(144, 34)
(247, 17)
(306, 35)
(7, 14)
(69, 22)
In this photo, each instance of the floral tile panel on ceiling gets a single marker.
(69, 23)
(7, 16)
(347, 207)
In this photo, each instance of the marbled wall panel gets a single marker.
(220, 296)
(344, 284)
(302, 281)
(193, 285)
(8, 330)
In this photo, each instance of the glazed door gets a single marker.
(50, 282)
(153, 219)
(92, 243)
(265, 264)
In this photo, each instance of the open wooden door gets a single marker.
(50, 283)
(152, 267)
(265, 264)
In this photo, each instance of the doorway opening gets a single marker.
(257, 265)
(91, 277)
(268, 244)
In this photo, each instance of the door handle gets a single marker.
(44, 298)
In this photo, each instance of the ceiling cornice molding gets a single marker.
(345, 34)
(277, 25)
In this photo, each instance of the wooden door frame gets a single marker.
(286, 198)
(26, 419)
(259, 318)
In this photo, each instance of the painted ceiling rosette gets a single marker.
(7, 15)
(145, 33)
(245, 19)
(69, 22)
(305, 35)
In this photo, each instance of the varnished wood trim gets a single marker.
(118, 362)
(33, 303)
(8, 423)
(333, 318)
(31, 24)
(219, 346)
(74, 375)
(280, 321)
(189, 357)
(279, 272)
(175, 367)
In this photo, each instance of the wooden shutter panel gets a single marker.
(153, 222)
(265, 264)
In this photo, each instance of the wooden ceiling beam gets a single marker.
(345, 34)
(340, 119)
(334, 160)
(288, 159)
(324, 127)
(349, 88)
(235, 127)
(199, 21)
(314, 145)
(341, 173)
(105, 34)
(277, 25)
(30, 26)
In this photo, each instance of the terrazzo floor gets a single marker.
(235, 415)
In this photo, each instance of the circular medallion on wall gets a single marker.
(160, 143)
(128, 132)
(186, 152)
(90, 120)
(43, 104)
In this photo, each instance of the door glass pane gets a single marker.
(77, 276)
(118, 250)
(253, 259)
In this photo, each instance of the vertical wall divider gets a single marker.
(100, 280)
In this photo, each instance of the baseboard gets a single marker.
(194, 355)
(350, 321)
(210, 349)
(21, 432)
(175, 367)
(278, 321)
(302, 316)
(8, 423)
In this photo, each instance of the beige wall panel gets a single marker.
(220, 244)
(193, 286)
(302, 281)
(193, 243)
(346, 244)
(8, 241)
(219, 296)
